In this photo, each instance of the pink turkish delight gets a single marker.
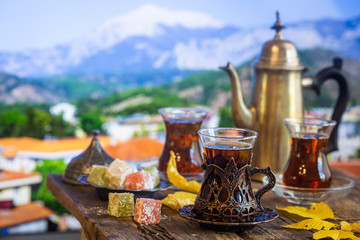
(147, 211)
(139, 180)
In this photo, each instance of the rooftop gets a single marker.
(138, 148)
(10, 179)
(23, 214)
(26, 146)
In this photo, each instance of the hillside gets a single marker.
(16, 90)
(316, 59)
(141, 100)
(77, 86)
(210, 88)
(207, 88)
(213, 87)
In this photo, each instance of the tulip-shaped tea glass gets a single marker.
(308, 166)
(182, 125)
(226, 194)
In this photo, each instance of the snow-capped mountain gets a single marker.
(152, 37)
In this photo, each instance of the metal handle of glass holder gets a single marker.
(266, 171)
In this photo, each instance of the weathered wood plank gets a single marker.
(91, 212)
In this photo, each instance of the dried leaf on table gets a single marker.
(316, 211)
(345, 226)
(309, 224)
(171, 202)
(179, 199)
(179, 181)
(335, 234)
(355, 227)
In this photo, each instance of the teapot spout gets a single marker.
(242, 116)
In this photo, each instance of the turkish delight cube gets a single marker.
(121, 204)
(97, 175)
(154, 172)
(139, 180)
(147, 211)
(117, 172)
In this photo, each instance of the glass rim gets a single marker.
(183, 111)
(255, 134)
(319, 122)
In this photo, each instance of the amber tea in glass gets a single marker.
(182, 125)
(220, 153)
(308, 166)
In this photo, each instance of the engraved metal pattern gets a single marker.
(226, 194)
(81, 164)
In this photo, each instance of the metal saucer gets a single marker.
(264, 216)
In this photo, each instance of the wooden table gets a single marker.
(83, 203)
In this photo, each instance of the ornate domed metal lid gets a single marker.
(279, 54)
(81, 165)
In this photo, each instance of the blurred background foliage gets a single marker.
(32, 121)
(42, 194)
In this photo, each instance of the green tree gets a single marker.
(42, 194)
(59, 127)
(33, 121)
(12, 123)
(91, 120)
(226, 117)
(38, 124)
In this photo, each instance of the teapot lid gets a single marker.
(279, 54)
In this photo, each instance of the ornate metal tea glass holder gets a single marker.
(226, 194)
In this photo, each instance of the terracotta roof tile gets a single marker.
(20, 140)
(23, 214)
(138, 148)
(10, 175)
(13, 145)
(10, 179)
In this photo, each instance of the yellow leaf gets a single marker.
(345, 226)
(184, 195)
(355, 227)
(335, 234)
(179, 181)
(179, 199)
(309, 224)
(316, 211)
(171, 202)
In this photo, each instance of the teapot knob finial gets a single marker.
(278, 26)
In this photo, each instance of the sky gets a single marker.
(26, 24)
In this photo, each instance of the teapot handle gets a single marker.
(334, 72)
